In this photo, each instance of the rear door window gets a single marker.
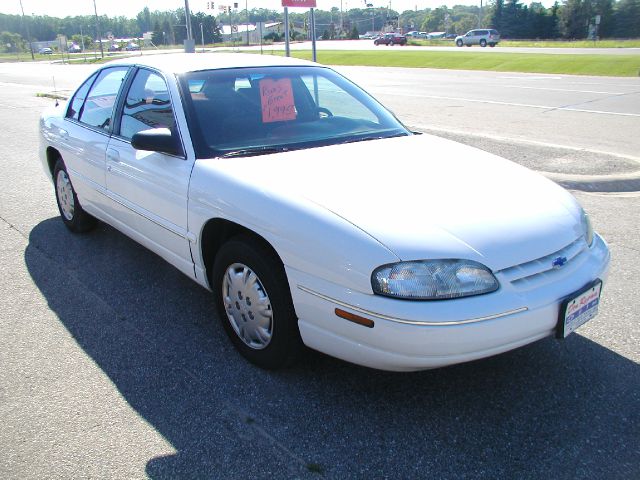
(100, 102)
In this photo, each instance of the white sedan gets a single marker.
(316, 218)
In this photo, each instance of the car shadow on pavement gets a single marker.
(552, 409)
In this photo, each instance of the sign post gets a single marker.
(313, 35)
(297, 3)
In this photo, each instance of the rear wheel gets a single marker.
(71, 212)
(254, 303)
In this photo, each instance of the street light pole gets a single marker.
(98, 29)
(28, 34)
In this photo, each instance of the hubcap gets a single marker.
(248, 306)
(65, 195)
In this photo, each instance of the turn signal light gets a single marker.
(355, 318)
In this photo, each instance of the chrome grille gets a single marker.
(529, 273)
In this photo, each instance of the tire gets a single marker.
(254, 303)
(492, 45)
(391, 43)
(459, 43)
(376, 43)
(71, 212)
(483, 43)
(468, 45)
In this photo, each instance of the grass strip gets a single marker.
(569, 64)
(633, 43)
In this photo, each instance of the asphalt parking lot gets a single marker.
(113, 364)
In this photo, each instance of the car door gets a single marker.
(85, 134)
(149, 189)
(471, 38)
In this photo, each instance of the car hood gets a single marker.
(424, 197)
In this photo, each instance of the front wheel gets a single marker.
(71, 212)
(459, 43)
(254, 303)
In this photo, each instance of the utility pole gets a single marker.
(189, 43)
(246, 14)
(98, 29)
(28, 34)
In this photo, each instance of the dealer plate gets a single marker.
(578, 309)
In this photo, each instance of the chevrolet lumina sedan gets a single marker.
(269, 182)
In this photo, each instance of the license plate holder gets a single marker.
(578, 308)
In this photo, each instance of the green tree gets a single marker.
(574, 18)
(81, 40)
(11, 42)
(626, 19)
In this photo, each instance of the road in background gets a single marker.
(369, 45)
(113, 364)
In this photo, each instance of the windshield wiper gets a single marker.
(252, 152)
(380, 137)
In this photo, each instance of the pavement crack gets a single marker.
(14, 228)
(589, 102)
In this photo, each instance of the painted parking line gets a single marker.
(522, 141)
(510, 104)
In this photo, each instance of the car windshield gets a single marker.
(247, 111)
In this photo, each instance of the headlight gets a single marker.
(433, 279)
(587, 228)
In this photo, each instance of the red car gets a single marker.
(391, 39)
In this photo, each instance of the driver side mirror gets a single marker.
(160, 140)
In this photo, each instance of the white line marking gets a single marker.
(429, 128)
(563, 90)
(532, 78)
(23, 85)
(510, 104)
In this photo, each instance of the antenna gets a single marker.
(55, 90)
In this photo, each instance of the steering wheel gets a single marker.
(324, 112)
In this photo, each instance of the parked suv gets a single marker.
(391, 39)
(479, 37)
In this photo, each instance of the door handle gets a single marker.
(113, 155)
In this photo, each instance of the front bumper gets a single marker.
(416, 335)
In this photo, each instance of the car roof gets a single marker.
(193, 62)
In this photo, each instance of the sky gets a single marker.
(130, 8)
